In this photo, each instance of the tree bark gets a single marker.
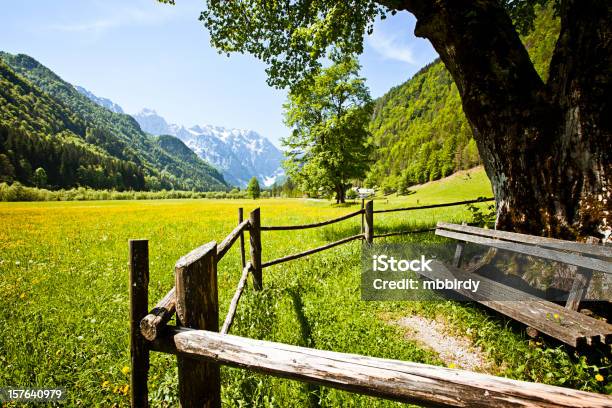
(545, 147)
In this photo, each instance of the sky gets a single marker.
(143, 54)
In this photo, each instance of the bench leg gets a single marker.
(581, 283)
(579, 288)
(458, 254)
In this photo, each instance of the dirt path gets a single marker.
(457, 352)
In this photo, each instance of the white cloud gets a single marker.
(143, 15)
(92, 26)
(391, 47)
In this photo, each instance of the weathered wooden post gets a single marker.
(197, 307)
(362, 215)
(139, 304)
(242, 254)
(255, 241)
(369, 222)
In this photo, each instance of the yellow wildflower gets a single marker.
(125, 370)
(125, 389)
(22, 296)
(452, 365)
(599, 377)
(556, 316)
(105, 384)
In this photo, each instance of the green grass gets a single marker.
(64, 297)
(462, 185)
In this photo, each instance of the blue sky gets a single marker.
(140, 53)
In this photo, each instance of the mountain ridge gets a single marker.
(77, 142)
(104, 102)
(238, 153)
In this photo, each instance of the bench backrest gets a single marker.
(572, 253)
(578, 247)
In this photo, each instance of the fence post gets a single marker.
(139, 307)
(255, 241)
(242, 255)
(362, 204)
(369, 222)
(197, 307)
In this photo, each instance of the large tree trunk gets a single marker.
(546, 147)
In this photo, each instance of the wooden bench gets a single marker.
(563, 323)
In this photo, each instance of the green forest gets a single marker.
(53, 137)
(419, 128)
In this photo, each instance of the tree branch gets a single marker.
(479, 45)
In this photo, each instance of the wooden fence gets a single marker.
(201, 349)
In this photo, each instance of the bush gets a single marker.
(483, 216)
(19, 192)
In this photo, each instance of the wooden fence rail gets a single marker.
(311, 251)
(227, 243)
(403, 381)
(423, 207)
(159, 316)
(396, 233)
(314, 225)
(229, 319)
(200, 349)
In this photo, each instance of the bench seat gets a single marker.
(566, 325)
(562, 323)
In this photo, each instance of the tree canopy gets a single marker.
(544, 144)
(253, 189)
(294, 37)
(329, 142)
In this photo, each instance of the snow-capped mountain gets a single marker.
(151, 122)
(104, 102)
(238, 153)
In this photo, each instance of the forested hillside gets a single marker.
(53, 136)
(419, 128)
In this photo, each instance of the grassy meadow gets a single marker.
(64, 296)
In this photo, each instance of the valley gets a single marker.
(238, 153)
(59, 277)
